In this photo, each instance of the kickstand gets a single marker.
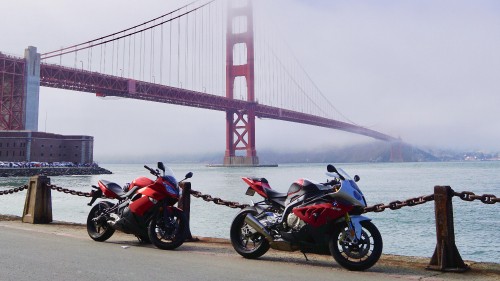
(304, 253)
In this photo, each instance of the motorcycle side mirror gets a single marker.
(189, 175)
(161, 166)
(330, 168)
(356, 178)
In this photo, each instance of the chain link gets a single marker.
(69, 191)
(13, 190)
(470, 196)
(394, 205)
(218, 201)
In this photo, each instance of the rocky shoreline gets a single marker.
(52, 171)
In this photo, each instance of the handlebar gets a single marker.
(153, 172)
(332, 182)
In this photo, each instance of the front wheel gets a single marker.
(246, 241)
(169, 231)
(97, 225)
(359, 255)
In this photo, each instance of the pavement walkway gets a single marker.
(388, 267)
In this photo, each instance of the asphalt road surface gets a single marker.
(59, 252)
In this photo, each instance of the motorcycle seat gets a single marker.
(264, 180)
(116, 188)
(276, 196)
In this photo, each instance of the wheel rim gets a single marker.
(356, 250)
(248, 238)
(99, 226)
(167, 229)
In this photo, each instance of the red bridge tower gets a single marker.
(240, 125)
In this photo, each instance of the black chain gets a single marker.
(464, 195)
(470, 196)
(13, 190)
(69, 191)
(217, 200)
(395, 205)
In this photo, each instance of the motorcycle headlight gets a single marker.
(170, 189)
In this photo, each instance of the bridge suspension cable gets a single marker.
(186, 49)
(91, 43)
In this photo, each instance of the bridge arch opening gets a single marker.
(240, 54)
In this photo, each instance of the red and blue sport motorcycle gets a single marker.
(324, 218)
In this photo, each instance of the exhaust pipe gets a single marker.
(255, 224)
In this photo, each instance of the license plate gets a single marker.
(250, 191)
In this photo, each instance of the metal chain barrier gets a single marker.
(377, 208)
(69, 191)
(218, 201)
(464, 195)
(470, 196)
(395, 205)
(14, 190)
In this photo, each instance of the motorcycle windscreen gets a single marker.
(318, 215)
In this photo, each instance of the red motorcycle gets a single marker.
(145, 208)
(322, 218)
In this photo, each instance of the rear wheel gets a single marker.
(97, 225)
(168, 232)
(246, 241)
(356, 255)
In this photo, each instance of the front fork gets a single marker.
(354, 227)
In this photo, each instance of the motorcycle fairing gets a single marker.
(141, 205)
(356, 221)
(258, 184)
(318, 215)
(302, 187)
(151, 192)
(142, 182)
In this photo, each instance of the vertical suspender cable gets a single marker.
(178, 51)
(193, 53)
(152, 55)
(140, 57)
(134, 61)
(211, 47)
(129, 45)
(186, 77)
(161, 55)
(113, 57)
(117, 55)
(170, 55)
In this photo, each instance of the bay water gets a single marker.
(409, 231)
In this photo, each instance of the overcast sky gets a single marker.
(425, 71)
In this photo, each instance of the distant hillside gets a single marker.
(376, 151)
(371, 152)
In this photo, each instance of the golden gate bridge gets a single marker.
(206, 54)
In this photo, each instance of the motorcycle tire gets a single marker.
(356, 256)
(168, 233)
(99, 231)
(250, 245)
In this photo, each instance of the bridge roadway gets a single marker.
(56, 76)
(60, 251)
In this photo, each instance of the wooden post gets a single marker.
(446, 256)
(38, 204)
(185, 205)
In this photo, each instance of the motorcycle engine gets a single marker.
(294, 222)
(270, 219)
